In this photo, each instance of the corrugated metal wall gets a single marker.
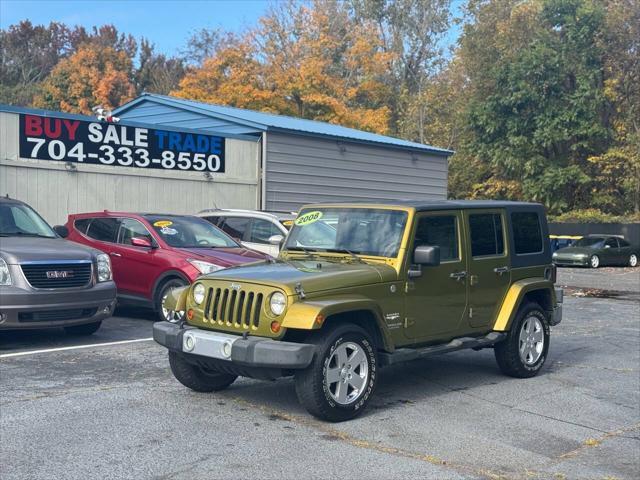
(303, 169)
(55, 192)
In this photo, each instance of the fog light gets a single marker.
(275, 326)
(189, 343)
(226, 349)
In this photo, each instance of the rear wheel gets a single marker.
(594, 261)
(163, 313)
(197, 378)
(633, 260)
(86, 329)
(340, 380)
(524, 352)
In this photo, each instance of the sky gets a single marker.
(167, 23)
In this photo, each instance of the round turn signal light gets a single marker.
(190, 314)
(275, 326)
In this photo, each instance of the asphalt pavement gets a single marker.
(72, 409)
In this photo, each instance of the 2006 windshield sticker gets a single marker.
(308, 218)
(100, 143)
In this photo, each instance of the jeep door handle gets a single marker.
(458, 275)
(501, 270)
(115, 254)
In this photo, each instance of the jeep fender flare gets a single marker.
(177, 298)
(311, 314)
(514, 297)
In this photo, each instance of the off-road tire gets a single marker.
(195, 377)
(163, 290)
(86, 329)
(507, 352)
(633, 260)
(312, 389)
(594, 261)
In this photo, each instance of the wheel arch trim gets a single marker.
(516, 295)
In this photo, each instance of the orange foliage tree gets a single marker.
(94, 75)
(306, 62)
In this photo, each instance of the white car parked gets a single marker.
(262, 231)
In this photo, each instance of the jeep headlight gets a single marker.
(104, 267)
(198, 293)
(278, 303)
(5, 276)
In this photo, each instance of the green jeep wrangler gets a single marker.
(360, 286)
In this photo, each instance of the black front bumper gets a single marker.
(228, 350)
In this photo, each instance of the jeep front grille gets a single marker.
(233, 308)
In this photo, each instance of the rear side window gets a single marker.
(214, 220)
(487, 238)
(104, 229)
(623, 243)
(527, 234)
(611, 243)
(262, 230)
(82, 224)
(235, 227)
(441, 231)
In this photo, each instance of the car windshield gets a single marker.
(365, 231)
(17, 219)
(589, 242)
(189, 232)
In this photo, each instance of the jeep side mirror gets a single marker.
(427, 255)
(61, 230)
(276, 239)
(141, 242)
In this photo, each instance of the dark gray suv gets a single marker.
(46, 281)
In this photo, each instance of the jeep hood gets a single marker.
(313, 275)
(16, 250)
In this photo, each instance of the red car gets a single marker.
(151, 254)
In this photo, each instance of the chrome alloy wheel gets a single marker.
(594, 261)
(633, 260)
(171, 315)
(347, 373)
(531, 343)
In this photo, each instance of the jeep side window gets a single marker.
(527, 234)
(441, 231)
(104, 229)
(487, 238)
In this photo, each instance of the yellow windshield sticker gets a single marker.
(308, 218)
(163, 223)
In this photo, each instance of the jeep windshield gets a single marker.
(358, 231)
(17, 219)
(189, 232)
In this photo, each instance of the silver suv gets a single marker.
(46, 281)
(262, 231)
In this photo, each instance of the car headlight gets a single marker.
(205, 267)
(278, 303)
(5, 276)
(104, 267)
(198, 293)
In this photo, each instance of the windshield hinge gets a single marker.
(300, 290)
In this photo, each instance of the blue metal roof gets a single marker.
(282, 123)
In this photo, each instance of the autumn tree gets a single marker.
(312, 62)
(91, 76)
(156, 72)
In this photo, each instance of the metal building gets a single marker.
(173, 155)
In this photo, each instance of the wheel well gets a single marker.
(161, 283)
(363, 318)
(542, 297)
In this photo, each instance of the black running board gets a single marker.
(407, 354)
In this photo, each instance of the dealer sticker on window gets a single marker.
(163, 223)
(308, 218)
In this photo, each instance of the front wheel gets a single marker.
(86, 329)
(594, 261)
(633, 260)
(164, 313)
(340, 380)
(197, 378)
(524, 351)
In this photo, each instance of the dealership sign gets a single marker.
(101, 143)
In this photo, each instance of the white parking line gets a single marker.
(74, 347)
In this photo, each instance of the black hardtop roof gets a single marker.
(427, 205)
